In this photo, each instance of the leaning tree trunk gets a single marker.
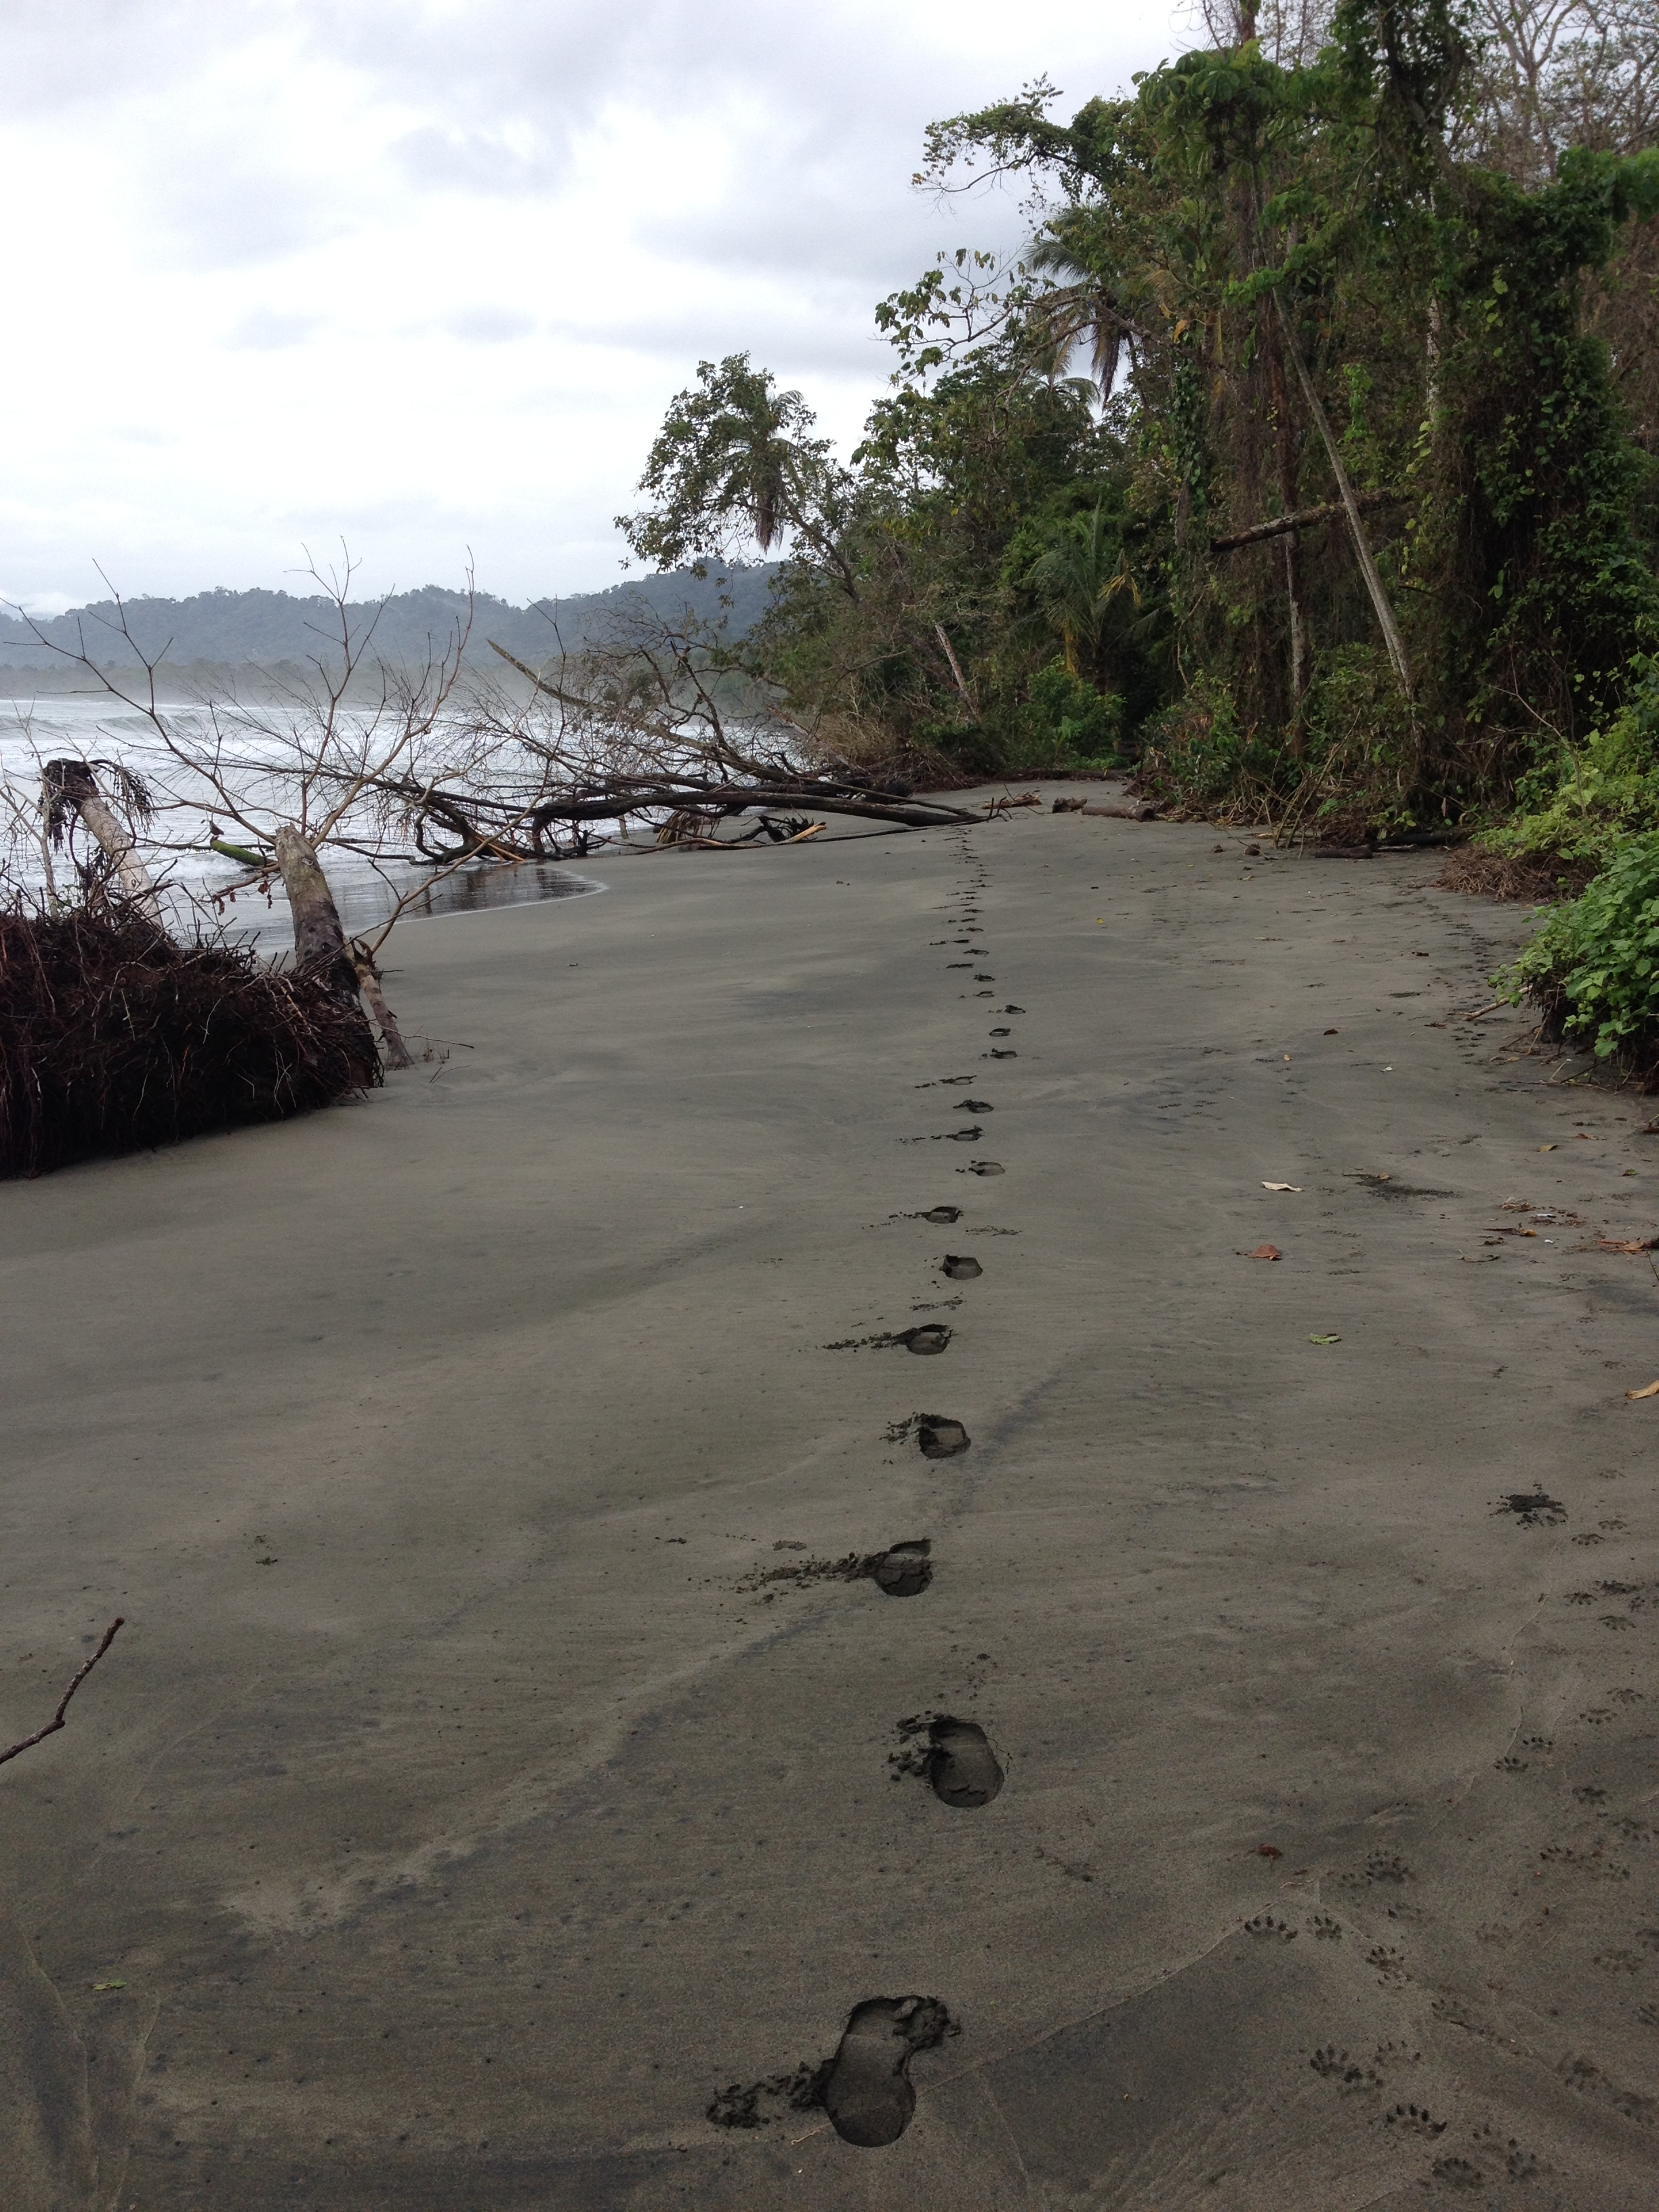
(72, 783)
(368, 982)
(319, 942)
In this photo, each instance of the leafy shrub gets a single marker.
(1067, 715)
(1594, 966)
(1577, 805)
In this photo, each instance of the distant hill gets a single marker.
(264, 629)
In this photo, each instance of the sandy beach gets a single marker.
(490, 1783)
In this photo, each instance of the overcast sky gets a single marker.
(425, 277)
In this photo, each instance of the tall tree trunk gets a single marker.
(1379, 599)
(1284, 442)
(319, 942)
(72, 783)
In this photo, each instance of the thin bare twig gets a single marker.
(57, 1720)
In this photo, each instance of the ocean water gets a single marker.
(196, 893)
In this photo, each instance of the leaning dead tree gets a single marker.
(662, 728)
(70, 792)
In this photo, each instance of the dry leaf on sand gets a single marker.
(1266, 1252)
(1281, 1185)
(1652, 1391)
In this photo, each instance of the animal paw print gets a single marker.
(1387, 1866)
(1265, 1924)
(1616, 1620)
(1538, 1743)
(1518, 2165)
(1587, 1793)
(1510, 1765)
(1456, 2173)
(1596, 1716)
(1412, 2120)
(1390, 1964)
(1334, 2065)
(1626, 1697)
(1589, 1537)
(1324, 1929)
(1618, 1962)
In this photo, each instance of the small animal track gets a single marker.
(1390, 1964)
(867, 2091)
(1412, 2120)
(1324, 1929)
(902, 1570)
(1334, 2065)
(1457, 2174)
(1533, 1509)
(1265, 1924)
(961, 1267)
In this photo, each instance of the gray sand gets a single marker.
(459, 1816)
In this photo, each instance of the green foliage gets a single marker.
(1283, 279)
(1067, 717)
(1595, 964)
(1580, 800)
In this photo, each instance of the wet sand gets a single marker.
(463, 1815)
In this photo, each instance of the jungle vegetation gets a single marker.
(1307, 458)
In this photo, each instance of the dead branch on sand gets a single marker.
(80, 1674)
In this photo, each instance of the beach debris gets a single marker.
(1632, 1244)
(1324, 1340)
(206, 1038)
(1266, 1252)
(1007, 802)
(1282, 1186)
(867, 2093)
(28, 1742)
(1268, 1852)
(1652, 1391)
(1364, 1174)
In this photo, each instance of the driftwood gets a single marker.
(709, 778)
(70, 787)
(1127, 810)
(28, 1742)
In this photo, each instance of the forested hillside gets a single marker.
(1306, 457)
(246, 629)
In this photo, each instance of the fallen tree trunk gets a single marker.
(72, 784)
(319, 942)
(1284, 525)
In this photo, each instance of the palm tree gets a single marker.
(1074, 580)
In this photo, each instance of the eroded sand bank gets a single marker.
(460, 1816)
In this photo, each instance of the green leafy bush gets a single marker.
(1578, 804)
(1065, 714)
(1594, 966)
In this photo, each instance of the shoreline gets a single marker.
(458, 1817)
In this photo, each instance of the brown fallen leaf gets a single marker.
(1652, 1391)
(1266, 1252)
(1268, 1852)
(1282, 1186)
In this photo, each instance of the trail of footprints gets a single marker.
(866, 2087)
